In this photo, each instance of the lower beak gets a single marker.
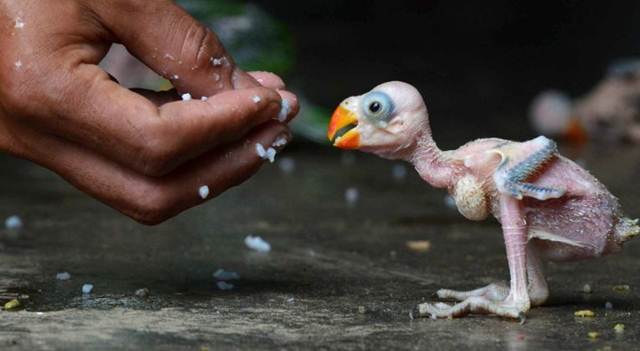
(342, 129)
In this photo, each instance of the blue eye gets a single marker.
(378, 108)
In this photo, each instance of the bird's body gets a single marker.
(549, 207)
(578, 225)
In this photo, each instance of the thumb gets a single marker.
(173, 44)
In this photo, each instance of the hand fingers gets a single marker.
(126, 127)
(172, 43)
(268, 79)
(146, 199)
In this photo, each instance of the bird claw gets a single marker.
(482, 304)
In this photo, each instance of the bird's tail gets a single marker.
(627, 229)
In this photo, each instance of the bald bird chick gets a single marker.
(549, 207)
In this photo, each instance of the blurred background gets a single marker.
(478, 64)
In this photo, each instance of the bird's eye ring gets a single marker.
(378, 108)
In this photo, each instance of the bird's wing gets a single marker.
(521, 161)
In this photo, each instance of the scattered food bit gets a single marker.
(419, 245)
(280, 142)
(351, 196)
(585, 314)
(622, 288)
(221, 274)
(217, 62)
(12, 305)
(203, 191)
(256, 243)
(266, 154)
(619, 328)
(399, 172)
(362, 310)
(587, 289)
(87, 288)
(450, 202)
(291, 300)
(284, 110)
(204, 98)
(216, 77)
(608, 305)
(13, 223)
(169, 57)
(39, 313)
(186, 97)
(593, 335)
(256, 99)
(19, 23)
(18, 64)
(63, 276)
(287, 164)
(144, 292)
(222, 285)
(175, 77)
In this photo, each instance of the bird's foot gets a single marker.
(475, 304)
(492, 292)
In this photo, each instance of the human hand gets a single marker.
(144, 153)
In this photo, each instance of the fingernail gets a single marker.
(285, 109)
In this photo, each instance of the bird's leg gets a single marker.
(538, 288)
(516, 302)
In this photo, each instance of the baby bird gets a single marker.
(549, 207)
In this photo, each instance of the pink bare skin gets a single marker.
(144, 153)
(549, 207)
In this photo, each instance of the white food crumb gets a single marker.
(144, 292)
(39, 313)
(587, 289)
(271, 154)
(351, 196)
(63, 276)
(284, 110)
(399, 172)
(256, 99)
(18, 64)
(262, 153)
(13, 223)
(256, 243)
(175, 77)
(87, 288)
(216, 77)
(169, 57)
(287, 164)
(19, 23)
(221, 274)
(280, 142)
(204, 98)
(203, 192)
(218, 61)
(291, 300)
(186, 97)
(268, 154)
(224, 285)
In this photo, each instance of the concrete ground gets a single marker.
(338, 277)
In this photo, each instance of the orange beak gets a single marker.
(342, 132)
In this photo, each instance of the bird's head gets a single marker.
(386, 121)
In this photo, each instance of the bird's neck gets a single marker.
(431, 163)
